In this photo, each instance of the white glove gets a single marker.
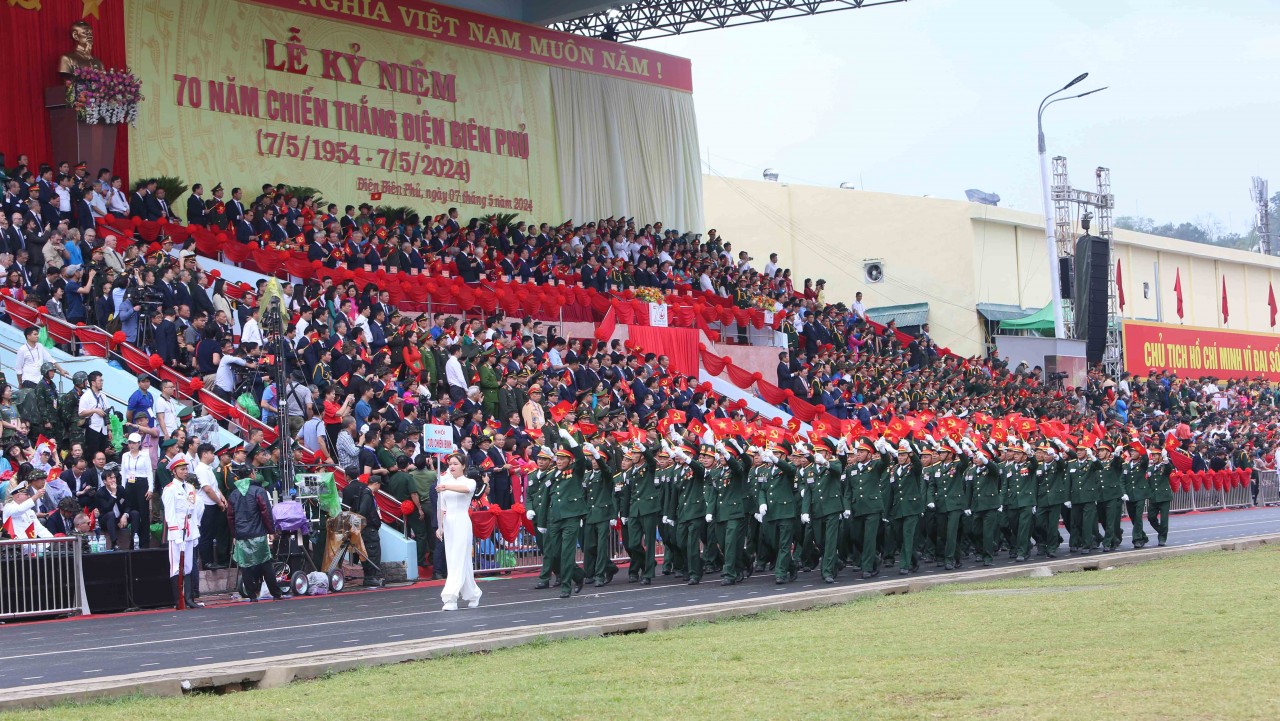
(804, 518)
(568, 438)
(759, 518)
(842, 448)
(708, 518)
(929, 505)
(665, 446)
(708, 437)
(968, 512)
(763, 509)
(1066, 504)
(529, 514)
(820, 459)
(1033, 509)
(720, 448)
(1000, 509)
(769, 457)
(613, 523)
(668, 521)
(542, 530)
(675, 436)
(848, 514)
(1125, 497)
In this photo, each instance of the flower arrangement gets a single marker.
(101, 95)
(650, 294)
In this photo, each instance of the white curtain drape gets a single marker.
(626, 149)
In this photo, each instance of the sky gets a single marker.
(933, 97)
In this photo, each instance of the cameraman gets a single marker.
(225, 381)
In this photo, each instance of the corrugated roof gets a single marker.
(905, 315)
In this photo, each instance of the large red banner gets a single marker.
(455, 26)
(1196, 352)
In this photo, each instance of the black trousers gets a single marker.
(373, 546)
(213, 526)
(252, 578)
(94, 442)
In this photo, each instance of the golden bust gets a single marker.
(82, 35)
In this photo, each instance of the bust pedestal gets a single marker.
(74, 141)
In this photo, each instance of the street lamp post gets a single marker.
(1051, 246)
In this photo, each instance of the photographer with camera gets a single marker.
(126, 308)
(228, 377)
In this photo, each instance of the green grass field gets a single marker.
(1189, 638)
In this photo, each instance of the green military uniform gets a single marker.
(1160, 495)
(864, 485)
(596, 560)
(777, 497)
(732, 497)
(69, 417)
(539, 483)
(910, 496)
(1137, 488)
(1084, 489)
(562, 509)
(489, 385)
(1110, 496)
(1051, 493)
(951, 498)
(644, 495)
(424, 481)
(1020, 497)
(985, 499)
(713, 552)
(822, 498)
(670, 479)
(402, 486)
(690, 515)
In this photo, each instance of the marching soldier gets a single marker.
(910, 499)
(1020, 498)
(1160, 494)
(732, 497)
(777, 502)
(982, 479)
(1136, 487)
(643, 491)
(1111, 496)
(865, 489)
(602, 518)
(951, 495)
(539, 482)
(691, 511)
(563, 508)
(1051, 493)
(823, 504)
(1082, 477)
(669, 475)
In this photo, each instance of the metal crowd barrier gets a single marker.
(494, 555)
(1268, 488)
(42, 577)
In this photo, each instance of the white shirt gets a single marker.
(98, 206)
(251, 333)
(453, 372)
(167, 414)
(89, 401)
(64, 198)
(704, 282)
(138, 466)
(28, 361)
(117, 202)
(181, 512)
(859, 308)
(362, 323)
(770, 268)
(206, 479)
(25, 522)
(225, 379)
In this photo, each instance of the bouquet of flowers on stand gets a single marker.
(649, 294)
(101, 95)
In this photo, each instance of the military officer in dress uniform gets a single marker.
(1136, 487)
(539, 482)
(1160, 494)
(643, 492)
(1020, 500)
(563, 508)
(691, 510)
(911, 497)
(777, 502)
(732, 497)
(982, 479)
(865, 490)
(1111, 496)
(1051, 493)
(823, 504)
(951, 495)
(182, 512)
(1082, 478)
(602, 519)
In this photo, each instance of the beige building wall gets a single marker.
(954, 254)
